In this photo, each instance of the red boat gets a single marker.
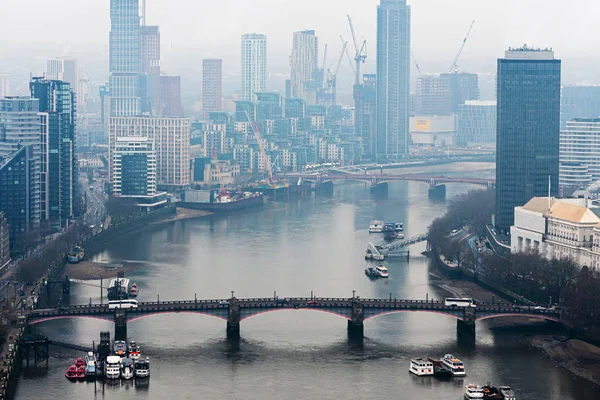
(81, 373)
(79, 362)
(71, 373)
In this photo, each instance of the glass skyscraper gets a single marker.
(528, 129)
(254, 65)
(393, 78)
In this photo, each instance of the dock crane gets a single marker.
(454, 67)
(360, 55)
(261, 146)
(332, 81)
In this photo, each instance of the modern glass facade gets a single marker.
(528, 128)
(254, 65)
(579, 102)
(477, 123)
(393, 78)
(580, 152)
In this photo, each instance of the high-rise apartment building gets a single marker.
(393, 78)
(212, 85)
(5, 85)
(124, 58)
(60, 167)
(443, 94)
(150, 69)
(170, 96)
(477, 123)
(134, 167)
(528, 127)
(365, 124)
(254, 65)
(579, 152)
(303, 63)
(171, 137)
(4, 241)
(579, 102)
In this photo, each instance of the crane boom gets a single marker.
(454, 66)
(261, 147)
(416, 63)
(360, 54)
(324, 68)
(353, 34)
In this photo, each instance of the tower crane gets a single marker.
(261, 146)
(454, 67)
(324, 70)
(332, 81)
(416, 63)
(360, 52)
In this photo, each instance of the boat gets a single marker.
(120, 348)
(376, 226)
(79, 362)
(421, 367)
(473, 392)
(76, 254)
(118, 289)
(389, 231)
(71, 373)
(133, 291)
(90, 365)
(381, 271)
(453, 365)
(80, 373)
(507, 392)
(438, 369)
(112, 367)
(127, 368)
(389, 236)
(134, 350)
(491, 393)
(398, 226)
(370, 272)
(142, 368)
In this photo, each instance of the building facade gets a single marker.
(65, 69)
(124, 58)
(171, 137)
(579, 102)
(5, 89)
(365, 107)
(303, 63)
(212, 86)
(254, 65)
(150, 69)
(134, 167)
(4, 241)
(393, 79)
(528, 127)
(477, 123)
(580, 152)
(170, 96)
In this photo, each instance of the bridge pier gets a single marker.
(465, 329)
(436, 191)
(356, 328)
(379, 189)
(233, 321)
(120, 324)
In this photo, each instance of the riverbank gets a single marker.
(181, 215)
(89, 270)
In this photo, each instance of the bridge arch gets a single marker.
(538, 316)
(246, 316)
(135, 317)
(370, 315)
(40, 320)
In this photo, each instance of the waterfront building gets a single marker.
(579, 102)
(436, 130)
(254, 65)
(170, 96)
(150, 69)
(124, 58)
(303, 63)
(212, 86)
(60, 167)
(477, 123)
(393, 79)
(4, 241)
(579, 150)
(528, 127)
(365, 124)
(5, 85)
(171, 138)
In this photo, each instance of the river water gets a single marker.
(293, 248)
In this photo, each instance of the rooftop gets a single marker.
(562, 209)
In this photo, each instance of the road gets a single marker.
(95, 201)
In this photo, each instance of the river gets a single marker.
(293, 248)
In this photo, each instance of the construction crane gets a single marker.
(350, 59)
(416, 63)
(324, 70)
(332, 81)
(261, 146)
(361, 52)
(454, 67)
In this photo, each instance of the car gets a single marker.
(313, 303)
(223, 303)
(539, 308)
(283, 301)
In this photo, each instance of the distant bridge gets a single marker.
(233, 310)
(380, 251)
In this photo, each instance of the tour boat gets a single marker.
(127, 368)
(438, 369)
(381, 271)
(79, 362)
(142, 368)
(376, 226)
(491, 393)
(134, 350)
(398, 226)
(454, 365)
(473, 392)
(81, 373)
(120, 348)
(507, 392)
(421, 367)
(133, 292)
(112, 367)
(71, 373)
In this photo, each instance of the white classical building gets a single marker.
(558, 228)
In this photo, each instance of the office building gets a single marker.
(443, 94)
(171, 137)
(579, 102)
(393, 79)
(170, 96)
(254, 65)
(365, 124)
(124, 58)
(528, 128)
(4, 241)
(212, 86)
(464, 86)
(477, 124)
(303, 62)
(60, 167)
(5, 85)
(580, 152)
(433, 130)
(150, 69)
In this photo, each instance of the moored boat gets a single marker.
(71, 373)
(421, 367)
(127, 368)
(491, 393)
(376, 226)
(438, 369)
(453, 365)
(398, 226)
(473, 392)
(370, 272)
(507, 392)
(80, 373)
(79, 362)
(142, 368)
(381, 271)
(120, 348)
(134, 350)
(112, 367)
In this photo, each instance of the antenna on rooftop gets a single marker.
(549, 185)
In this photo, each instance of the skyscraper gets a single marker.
(4, 85)
(124, 63)
(65, 69)
(303, 62)
(393, 75)
(254, 65)
(212, 85)
(365, 96)
(528, 129)
(150, 69)
(170, 96)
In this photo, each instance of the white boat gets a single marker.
(453, 365)
(399, 227)
(134, 350)
(127, 368)
(112, 367)
(90, 365)
(473, 392)
(142, 368)
(507, 392)
(381, 271)
(376, 226)
(421, 367)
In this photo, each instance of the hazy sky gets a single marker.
(207, 28)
